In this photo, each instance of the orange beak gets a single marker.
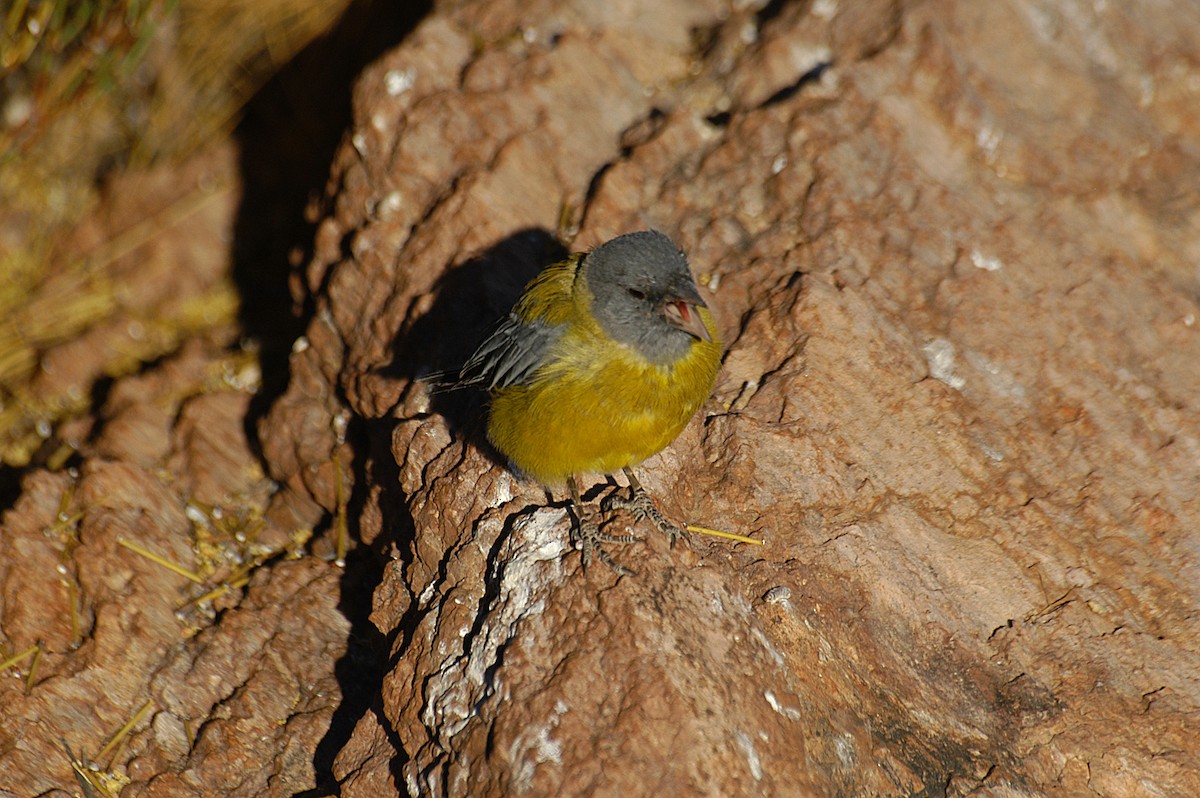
(686, 316)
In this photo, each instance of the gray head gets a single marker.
(644, 295)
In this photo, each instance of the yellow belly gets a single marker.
(598, 407)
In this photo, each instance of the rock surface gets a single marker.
(236, 687)
(953, 251)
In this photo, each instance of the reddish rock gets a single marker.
(952, 250)
(958, 402)
(235, 703)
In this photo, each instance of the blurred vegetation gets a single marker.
(91, 89)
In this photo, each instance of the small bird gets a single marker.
(600, 364)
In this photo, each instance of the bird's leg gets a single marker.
(642, 506)
(587, 536)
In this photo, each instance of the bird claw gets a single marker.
(643, 508)
(589, 539)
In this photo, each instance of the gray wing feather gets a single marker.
(510, 355)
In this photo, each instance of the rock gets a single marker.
(951, 250)
(229, 694)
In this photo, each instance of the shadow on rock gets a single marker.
(288, 136)
(471, 299)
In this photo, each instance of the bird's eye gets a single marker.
(636, 294)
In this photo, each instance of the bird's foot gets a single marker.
(589, 539)
(639, 503)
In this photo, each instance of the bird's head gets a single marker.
(643, 295)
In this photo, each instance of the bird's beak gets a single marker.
(686, 316)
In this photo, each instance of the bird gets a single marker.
(600, 364)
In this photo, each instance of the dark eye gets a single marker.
(636, 294)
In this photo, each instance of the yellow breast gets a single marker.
(596, 405)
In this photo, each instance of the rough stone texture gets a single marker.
(953, 249)
(248, 675)
(146, 269)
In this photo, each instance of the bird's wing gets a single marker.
(510, 354)
(520, 343)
